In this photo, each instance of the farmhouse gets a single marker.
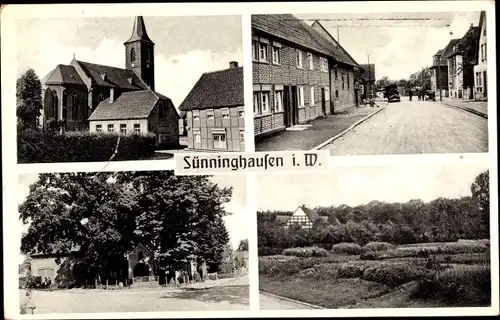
(299, 73)
(137, 266)
(214, 113)
(481, 68)
(302, 216)
(101, 98)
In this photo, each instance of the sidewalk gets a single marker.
(315, 132)
(477, 107)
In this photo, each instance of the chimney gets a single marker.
(111, 95)
(233, 64)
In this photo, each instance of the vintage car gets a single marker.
(392, 93)
(430, 95)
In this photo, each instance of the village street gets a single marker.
(223, 294)
(414, 127)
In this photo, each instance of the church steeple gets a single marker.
(139, 53)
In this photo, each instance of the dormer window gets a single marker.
(103, 76)
(132, 56)
(131, 80)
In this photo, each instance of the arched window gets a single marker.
(54, 105)
(74, 106)
(140, 255)
(132, 55)
(148, 55)
(100, 98)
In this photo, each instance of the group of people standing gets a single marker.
(420, 93)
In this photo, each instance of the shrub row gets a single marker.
(306, 252)
(81, 146)
(269, 251)
(347, 248)
(395, 274)
(379, 246)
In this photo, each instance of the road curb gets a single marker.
(477, 113)
(290, 300)
(322, 145)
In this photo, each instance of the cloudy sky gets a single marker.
(236, 223)
(360, 185)
(396, 45)
(185, 46)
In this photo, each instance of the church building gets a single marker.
(99, 98)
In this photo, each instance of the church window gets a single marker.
(100, 98)
(148, 55)
(140, 255)
(132, 55)
(54, 106)
(74, 104)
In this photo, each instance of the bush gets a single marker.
(347, 248)
(351, 271)
(269, 251)
(306, 252)
(379, 246)
(35, 146)
(370, 255)
(395, 274)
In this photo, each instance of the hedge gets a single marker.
(269, 251)
(379, 246)
(347, 248)
(395, 274)
(81, 146)
(306, 252)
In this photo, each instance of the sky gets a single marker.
(398, 48)
(185, 47)
(360, 185)
(236, 222)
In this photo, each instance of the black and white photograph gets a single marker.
(371, 83)
(144, 241)
(375, 237)
(128, 88)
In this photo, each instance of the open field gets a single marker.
(398, 277)
(225, 294)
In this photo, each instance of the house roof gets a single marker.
(369, 72)
(129, 105)
(215, 90)
(449, 48)
(139, 32)
(461, 46)
(290, 28)
(63, 74)
(112, 77)
(310, 213)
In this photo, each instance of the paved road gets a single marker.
(268, 302)
(226, 294)
(415, 127)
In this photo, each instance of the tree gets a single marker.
(29, 99)
(481, 195)
(384, 81)
(243, 245)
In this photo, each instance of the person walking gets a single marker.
(410, 93)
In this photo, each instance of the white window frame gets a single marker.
(112, 127)
(298, 59)
(241, 113)
(255, 50)
(98, 128)
(137, 128)
(218, 143)
(265, 97)
(225, 113)
(196, 115)
(263, 50)
(312, 97)
(210, 114)
(300, 96)
(242, 136)
(327, 93)
(278, 101)
(310, 61)
(196, 135)
(255, 102)
(121, 127)
(276, 51)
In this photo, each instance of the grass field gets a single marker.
(398, 277)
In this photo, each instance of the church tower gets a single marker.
(139, 53)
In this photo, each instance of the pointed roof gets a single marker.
(461, 47)
(219, 89)
(282, 218)
(139, 32)
(112, 77)
(312, 214)
(62, 74)
(449, 48)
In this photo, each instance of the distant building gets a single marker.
(439, 74)
(214, 111)
(481, 68)
(302, 216)
(368, 80)
(461, 62)
(299, 73)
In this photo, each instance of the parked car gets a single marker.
(430, 95)
(392, 93)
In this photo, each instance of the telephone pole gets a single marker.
(369, 77)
